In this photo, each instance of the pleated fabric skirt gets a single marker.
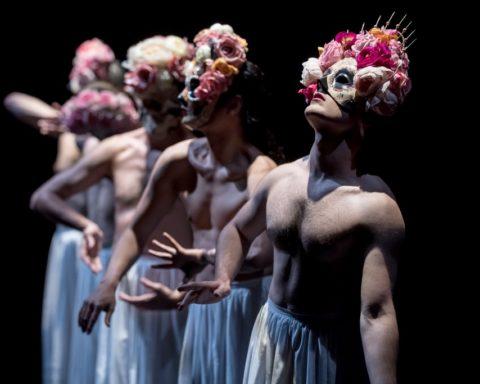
(58, 307)
(288, 348)
(145, 345)
(85, 349)
(217, 335)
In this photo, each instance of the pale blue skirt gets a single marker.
(290, 348)
(84, 349)
(145, 345)
(58, 308)
(217, 335)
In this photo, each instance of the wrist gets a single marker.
(109, 283)
(208, 256)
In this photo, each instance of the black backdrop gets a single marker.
(37, 51)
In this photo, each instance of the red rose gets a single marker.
(376, 56)
(141, 78)
(229, 48)
(212, 84)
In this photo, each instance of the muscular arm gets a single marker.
(238, 235)
(68, 152)
(171, 175)
(29, 109)
(51, 198)
(378, 323)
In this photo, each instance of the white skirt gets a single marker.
(58, 308)
(85, 350)
(145, 345)
(290, 348)
(217, 335)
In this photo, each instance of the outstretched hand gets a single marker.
(160, 297)
(204, 292)
(189, 260)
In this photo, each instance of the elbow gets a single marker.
(376, 313)
(37, 200)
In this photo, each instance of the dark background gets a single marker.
(37, 51)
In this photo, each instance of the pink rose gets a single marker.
(332, 53)
(101, 112)
(377, 56)
(363, 40)
(400, 85)
(308, 92)
(108, 99)
(205, 36)
(94, 50)
(229, 48)
(141, 78)
(347, 39)
(368, 80)
(212, 84)
(399, 56)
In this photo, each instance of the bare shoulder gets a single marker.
(261, 165)
(288, 172)
(176, 152)
(379, 209)
(173, 164)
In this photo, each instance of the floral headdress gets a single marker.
(99, 111)
(220, 53)
(380, 61)
(155, 63)
(92, 62)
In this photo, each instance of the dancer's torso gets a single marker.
(320, 240)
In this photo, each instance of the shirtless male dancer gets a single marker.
(336, 234)
(135, 352)
(213, 176)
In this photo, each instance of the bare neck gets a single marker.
(174, 135)
(226, 142)
(331, 157)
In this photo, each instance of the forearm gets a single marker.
(125, 253)
(57, 209)
(380, 345)
(229, 254)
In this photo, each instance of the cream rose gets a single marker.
(367, 80)
(152, 51)
(311, 72)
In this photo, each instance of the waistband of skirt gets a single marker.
(250, 282)
(308, 319)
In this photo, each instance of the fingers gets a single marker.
(170, 250)
(163, 266)
(175, 243)
(198, 285)
(56, 105)
(222, 291)
(141, 301)
(87, 310)
(188, 299)
(108, 316)
(96, 265)
(92, 319)
(82, 313)
(160, 254)
(156, 286)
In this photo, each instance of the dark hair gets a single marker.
(249, 84)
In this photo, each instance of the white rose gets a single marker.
(151, 51)
(221, 28)
(311, 72)
(203, 53)
(177, 45)
(384, 102)
(367, 80)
